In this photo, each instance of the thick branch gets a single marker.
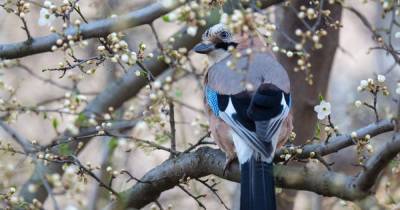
(22, 141)
(99, 28)
(207, 161)
(114, 95)
(377, 162)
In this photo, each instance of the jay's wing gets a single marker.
(256, 117)
(259, 68)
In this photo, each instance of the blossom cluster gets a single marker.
(119, 49)
(192, 14)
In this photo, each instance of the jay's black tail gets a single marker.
(257, 186)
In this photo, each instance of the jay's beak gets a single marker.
(204, 48)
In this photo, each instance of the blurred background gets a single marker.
(353, 62)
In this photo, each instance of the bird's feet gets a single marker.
(228, 163)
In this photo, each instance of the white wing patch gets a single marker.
(246, 142)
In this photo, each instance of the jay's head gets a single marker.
(216, 39)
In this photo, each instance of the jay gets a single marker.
(248, 106)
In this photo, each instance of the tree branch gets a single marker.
(377, 163)
(22, 141)
(99, 28)
(206, 161)
(337, 143)
(114, 95)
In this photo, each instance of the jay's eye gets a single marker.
(224, 35)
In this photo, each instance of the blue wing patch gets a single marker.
(212, 100)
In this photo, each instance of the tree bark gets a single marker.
(305, 96)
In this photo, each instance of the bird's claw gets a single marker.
(228, 163)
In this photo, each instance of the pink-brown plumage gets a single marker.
(220, 131)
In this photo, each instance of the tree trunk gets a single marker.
(305, 96)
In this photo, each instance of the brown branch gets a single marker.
(116, 93)
(375, 35)
(195, 197)
(213, 190)
(99, 28)
(172, 125)
(33, 74)
(339, 142)
(207, 161)
(366, 179)
(25, 28)
(21, 140)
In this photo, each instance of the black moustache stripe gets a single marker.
(225, 45)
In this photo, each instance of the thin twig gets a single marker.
(48, 188)
(213, 190)
(172, 126)
(196, 198)
(22, 141)
(198, 143)
(25, 28)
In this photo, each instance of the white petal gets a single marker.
(326, 112)
(327, 108)
(192, 30)
(45, 17)
(381, 78)
(321, 116)
(318, 108)
(167, 3)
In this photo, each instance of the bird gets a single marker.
(248, 104)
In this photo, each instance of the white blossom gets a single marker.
(358, 103)
(298, 32)
(397, 35)
(323, 110)
(363, 83)
(353, 134)
(192, 30)
(381, 78)
(32, 188)
(167, 3)
(157, 84)
(70, 170)
(46, 17)
(101, 48)
(237, 16)
(133, 57)
(224, 18)
(141, 126)
(73, 129)
(137, 73)
(172, 16)
(125, 58)
(47, 4)
(71, 207)
(370, 148)
(301, 15)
